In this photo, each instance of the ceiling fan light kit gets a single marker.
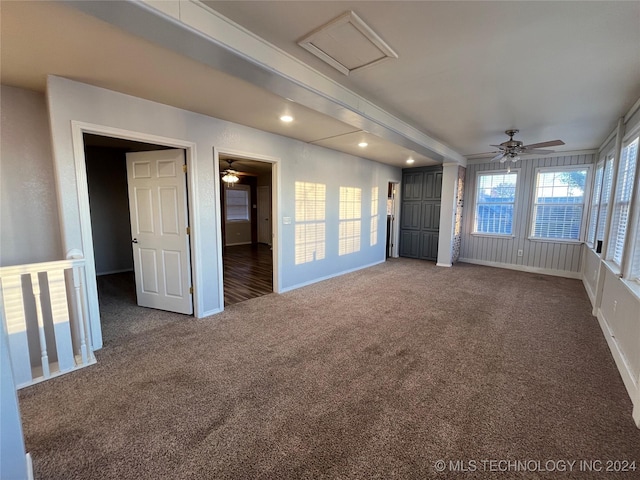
(512, 150)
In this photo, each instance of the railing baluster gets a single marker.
(79, 316)
(35, 284)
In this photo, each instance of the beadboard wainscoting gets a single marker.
(542, 256)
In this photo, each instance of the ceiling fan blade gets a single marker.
(247, 174)
(552, 143)
(536, 152)
(485, 154)
(501, 156)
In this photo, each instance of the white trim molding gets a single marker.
(524, 268)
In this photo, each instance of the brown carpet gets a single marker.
(374, 374)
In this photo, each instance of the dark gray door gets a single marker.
(420, 212)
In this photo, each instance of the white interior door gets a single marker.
(158, 207)
(264, 215)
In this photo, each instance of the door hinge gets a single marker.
(184, 168)
(191, 290)
(188, 231)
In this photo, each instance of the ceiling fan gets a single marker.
(512, 150)
(232, 176)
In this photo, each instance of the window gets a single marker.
(237, 203)
(605, 197)
(310, 222)
(622, 201)
(595, 203)
(350, 223)
(495, 203)
(558, 204)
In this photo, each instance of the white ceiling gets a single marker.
(465, 72)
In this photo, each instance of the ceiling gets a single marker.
(465, 72)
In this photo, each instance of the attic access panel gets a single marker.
(347, 44)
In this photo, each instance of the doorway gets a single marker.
(392, 215)
(247, 227)
(121, 284)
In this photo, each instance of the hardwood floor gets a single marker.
(248, 272)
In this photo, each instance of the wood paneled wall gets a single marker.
(560, 258)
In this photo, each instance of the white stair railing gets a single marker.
(44, 307)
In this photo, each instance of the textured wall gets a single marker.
(29, 228)
(299, 162)
(555, 256)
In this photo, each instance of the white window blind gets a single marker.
(622, 202)
(595, 203)
(237, 203)
(495, 203)
(559, 203)
(605, 197)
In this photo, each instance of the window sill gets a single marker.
(613, 268)
(632, 286)
(555, 240)
(493, 235)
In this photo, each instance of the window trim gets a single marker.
(610, 254)
(609, 159)
(516, 202)
(594, 203)
(587, 196)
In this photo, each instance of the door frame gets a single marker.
(275, 208)
(78, 129)
(395, 228)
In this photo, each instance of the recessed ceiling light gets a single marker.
(363, 144)
(286, 118)
(410, 161)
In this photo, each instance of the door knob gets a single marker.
(135, 240)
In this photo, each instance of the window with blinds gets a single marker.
(559, 200)
(595, 204)
(237, 203)
(605, 197)
(622, 202)
(495, 203)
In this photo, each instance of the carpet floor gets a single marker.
(379, 373)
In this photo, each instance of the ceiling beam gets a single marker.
(194, 30)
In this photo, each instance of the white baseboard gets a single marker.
(524, 268)
(208, 313)
(327, 277)
(29, 467)
(629, 381)
(590, 293)
(112, 272)
(443, 265)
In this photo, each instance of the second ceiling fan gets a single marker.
(512, 150)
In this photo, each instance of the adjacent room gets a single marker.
(308, 239)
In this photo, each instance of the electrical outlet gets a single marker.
(615, 305)
(520, 253)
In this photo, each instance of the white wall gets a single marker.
(29, 225)
(72, 101)
(109, 200)
(13, 461)
(555, 258)
(616, 300)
